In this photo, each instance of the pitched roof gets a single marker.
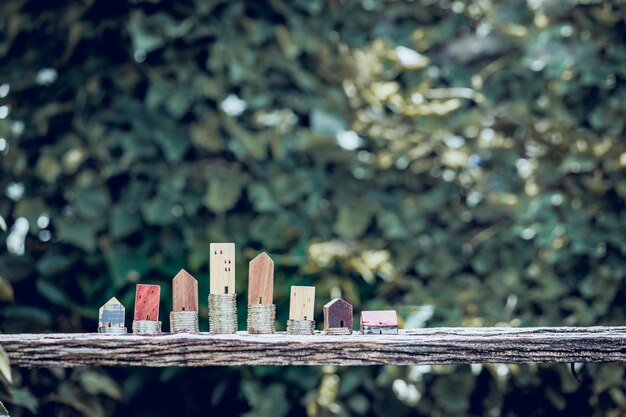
(336, 301)
(113, 300)
(184, 276)
(379, 318)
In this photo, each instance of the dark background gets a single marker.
(462, 162)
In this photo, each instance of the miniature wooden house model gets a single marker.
(379, 322)
(302, 303)
(338, 315)
(222, 268)
(111, 314)
(184, 292)
(147, 298)
(261, 280)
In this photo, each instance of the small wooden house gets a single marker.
(379, 322)
(261, 280)
(111, 314)
(302, 303)
(147, 299)
(184, 292)
(222, 268)
(338, 314)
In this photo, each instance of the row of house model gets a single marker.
(338, 313)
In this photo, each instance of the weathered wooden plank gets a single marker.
(410, 347)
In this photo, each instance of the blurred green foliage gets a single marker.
(463, 162)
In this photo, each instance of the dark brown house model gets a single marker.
(338, 317)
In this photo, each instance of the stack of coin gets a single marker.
(338, 331)
(146, 326)
(223, 313)
(112, 329)
(301, 327)
(184, 321)
(261, 318)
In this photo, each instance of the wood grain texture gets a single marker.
(410, 347)
(222, 268)
(147, 298)
(261, 280)
(302, 303)
(338, 313)
(184, 292)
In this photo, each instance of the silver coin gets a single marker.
(300, 327)
(184, 321)
(338, 331)
(146, 327)
(223, 313)
(112, 330)
(261, 318)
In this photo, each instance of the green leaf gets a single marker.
(53, 293)
(53, 264)
(6, 290)
(352, 221)
(262, 198)
(158, 211)
(23, 397)
(326, 123)
(31, 209)
(3, 410)
(5, 365)
(92, 203)
(125, 263)
(26, 319)
(143, 36)
(77, 233)
(607, 376)
(123, 221)
(48, 168)
(174, 142)
(223, 193)
(98, 383)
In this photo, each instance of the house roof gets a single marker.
(384, 318)
(183, 276)
(112, 301)
(337, 301)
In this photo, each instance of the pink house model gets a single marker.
(379, 322)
